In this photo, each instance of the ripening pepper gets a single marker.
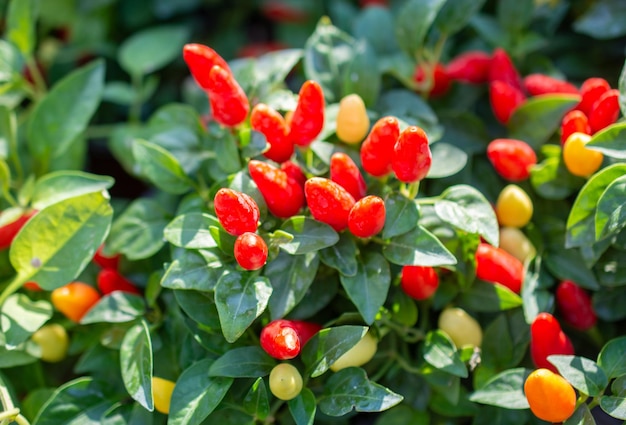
(547, 338)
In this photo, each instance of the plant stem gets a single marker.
(134, 114)
(13, 286)
(40, 83)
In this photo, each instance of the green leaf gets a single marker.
(272, 67)
(116, 307)
(537, 119)
(196, 394)
(401, 216)
(65, 112)
(611, 141)
(569, 264)
(361, 76)
(413, 21)
(21, 317)
(467, 209)
(151, 49)
(200, 307)
(603, 19)
(534, 295)
(610, 216)
(456, 14)
(328, 345)
(61, 185)
(138, 231)
(447, 160)
(80, 401)
(303, 407)
(609, 303)
(191, 231)
(411, 108)
(440, 352)
(340, 398)
(21, 18)
(489, 297)
(515, 15)
(552, 180)
(8, 137)
(136, 364)
(585, 375)
(291, 277)
(614, 406)
(375, 24)
(309, 235)
(13, 358)
(581, 416)
(243, 362)
(504, 390)
(240, 299)
(341, 256)
(160, 167)
(505, 341)
(256, 401)
(580, 223)
(199, 270)
(58, 242)
(418, 247)
(612, 357)
(368, 288)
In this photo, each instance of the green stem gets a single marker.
(13, 150)
(134, 114)
(596, 336)
(594, 402)
(401, 361)
(273, 410)
(13, 286)
(40, 83)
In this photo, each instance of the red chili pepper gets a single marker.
(439, 80)
(294, 171)
(9, 231)
(502, 69)
(307, 120)
(106, 262)
(110, 280)
(495, 265)
(229, 103)
(470, 67)
(329, 202)
(32, 286)
(574, 121)
(250, 251)
(272, 125)
(538, 84)
(547, 338)
(505, 99)
(575, 305)
(419, 282)
(377, 148)
(283, 195)
(511, 158)
(237, 212)
(367, 216)
(590, 92)
(346, 173)
(412, 158)
(604, 111)
(200, 60)
(283, 339)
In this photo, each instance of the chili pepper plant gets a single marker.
(415, 215)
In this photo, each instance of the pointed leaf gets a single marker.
(401, 216)
(191, 231)
(413, 21)
(610, 141)
(489, 297)
(309, 235)
(199, 270)
(584, 374)
(21, 317)
(60, 185)
(116, 307)
(418, 247)
(614, 406)
(160, 167)
(256, 401)
(610, 216)
(612, 358)
(243, 362)
(20, 19)
(136, 364)
(440, 351)
(328, 345)
(504, 390)
(341, 256)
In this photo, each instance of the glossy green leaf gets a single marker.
(604, 19)
(611, 141)
(160, 167)
(328, 345)
(151, 49)
(375, 24)
(505, 340)
(21, 317)
(136, 364)
(309, 235)
(64, 113)
(191, 231)
(417, 247)
(340, 398)
(291, 277)
(401, 215)
(489, 297)
(504, 390)
(447, 160)
(537, 119)
(196, 394)
(240, 299)
(13, 358)
(610, 216)
(612, 357)
(536, 298)
(608, 303)
(569, 264)
(79, 401)
(116, 307)
(467, 209)
(138, 231)
(256, 401)
(584, 374)
(303, 407)
(20, 20)
(581, 416)
(243, 362)
(551, 179)
(614, 406)
(272, 67)
(200, 307)
(580, 223)
(440, 352)
(362, 76)
(57, 243)
(413, 21)
(61, 185)
(456, 14)
(368, 288)
(341, 256)
(11, 63)
(199, 270)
